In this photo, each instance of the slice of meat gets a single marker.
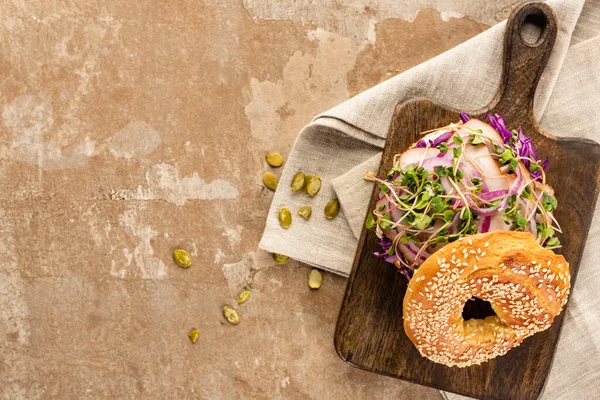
(485, 163)
(526, 176)
(499, 182)
(498, 224)
(540, 187)
(415, 156)
(480, 154)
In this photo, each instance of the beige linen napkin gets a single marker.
(343, 143)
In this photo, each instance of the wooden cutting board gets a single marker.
(370, 334)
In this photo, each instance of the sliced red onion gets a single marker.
(411, 249)
(430, 163)
(486, 212)
(514, 189)
(494, 194)
(472, 172)
(446, 184)
(470, 169)
(485, 224)
(490, 147)
(395, 215)
(516, 186)
(533, 226)
(453, 223)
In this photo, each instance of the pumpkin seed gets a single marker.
(243, 297)
(280, 258)
(298, 182)
(274, 159)
(231, 315)
(305, 212)
(193, 335)
(285, 217)
(313, 185)
(315, 279)
(270, 180)
(332, 208)
(182, 258)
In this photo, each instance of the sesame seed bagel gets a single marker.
(526, 285)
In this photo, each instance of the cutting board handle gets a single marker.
(526, 53)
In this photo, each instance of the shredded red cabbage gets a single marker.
(385, 243)
(436, 142)
(407, 273)
(521, 144)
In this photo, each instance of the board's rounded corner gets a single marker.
(337, 344)
(344, 354)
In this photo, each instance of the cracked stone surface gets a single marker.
(131, 128)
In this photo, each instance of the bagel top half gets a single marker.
(526, 285)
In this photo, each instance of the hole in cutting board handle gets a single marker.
(530, 36)
(533, 30)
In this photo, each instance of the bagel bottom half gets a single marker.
(526, 285)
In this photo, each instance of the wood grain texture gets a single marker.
(369, 333)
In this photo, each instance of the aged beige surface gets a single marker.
(132, 128)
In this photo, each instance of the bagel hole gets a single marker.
(475, 308)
